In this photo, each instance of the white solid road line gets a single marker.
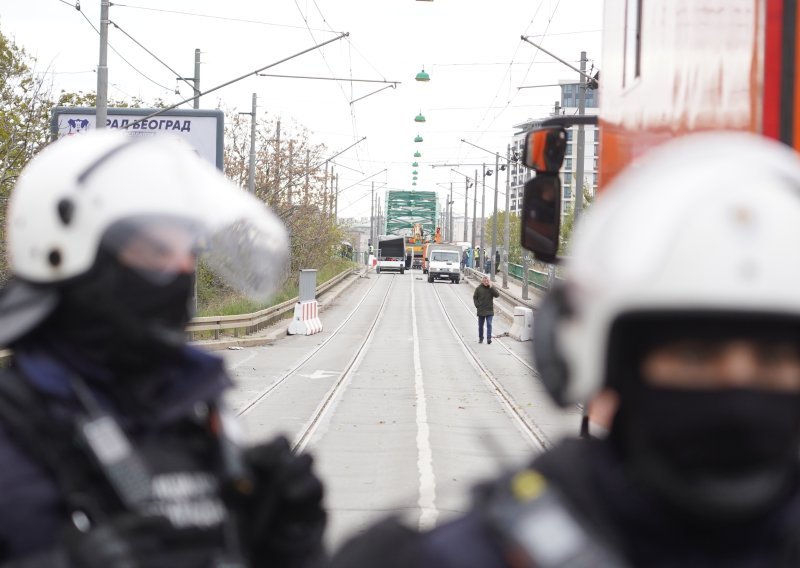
(427, 479)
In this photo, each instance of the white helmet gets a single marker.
(705, 223)
(76, 189)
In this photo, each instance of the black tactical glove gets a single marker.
(284, 519)
(130, 541)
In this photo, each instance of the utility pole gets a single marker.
(278, 162)
(508, 214)
(196, 78)
(450, 219)
(466, 207)
(581, 139)
(331, 194)
(102, 69)
(336, 201)
(291, 172)
(251, 167)
(325, 191)
(474, 218)
(372, 218)
(496, 220)
(483, 219)
(308, 165)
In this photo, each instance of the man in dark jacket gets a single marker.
(700, 466)
(483, 298)
(116, 448)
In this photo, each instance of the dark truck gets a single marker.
(391, 255)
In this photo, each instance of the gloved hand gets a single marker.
(283, 520)
(129, 541)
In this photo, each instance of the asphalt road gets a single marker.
(401, 407)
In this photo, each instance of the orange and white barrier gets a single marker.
(306, 319)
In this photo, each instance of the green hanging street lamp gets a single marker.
(422, 76)
(418, 138)
(419, 117)
(415, 165)
(417, 154)
(415, 172)
(414, 178)
(413, 183)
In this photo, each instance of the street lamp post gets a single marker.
(474, 217)
(508, 214)
(494, 223)
(483, 219)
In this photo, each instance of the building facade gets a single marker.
(568, 105)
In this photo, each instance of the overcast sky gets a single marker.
(471, 49)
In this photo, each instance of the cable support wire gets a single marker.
(218, 87)
(77, 6)
(533, 61)
(325, 59)
(134, 40)
(213, 17)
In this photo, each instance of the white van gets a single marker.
(444, 261)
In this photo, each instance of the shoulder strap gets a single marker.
(24, 414)
(535, 526)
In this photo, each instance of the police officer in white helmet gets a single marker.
(116, 449)
(680, 306)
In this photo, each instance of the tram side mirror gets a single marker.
(541, 216)
(544, 150)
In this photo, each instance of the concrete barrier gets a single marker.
(306, 319)
(522, 329)
(306, 311)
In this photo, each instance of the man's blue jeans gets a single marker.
(488, 320)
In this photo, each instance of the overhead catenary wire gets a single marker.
(225, 84)
(215, 17)
(533, 61)
(77, 6)
(134, 40)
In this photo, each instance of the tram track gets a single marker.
(253, 403)
(531, 431)
(498, 340)
(307, 431)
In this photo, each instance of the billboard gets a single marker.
(203, 129)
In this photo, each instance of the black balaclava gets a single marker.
(118, 319)
(721, 455)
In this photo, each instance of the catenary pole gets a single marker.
(474, 220)
(305, 189)
(581, 143)
(251, 168)
(196, 78)
(483, 219)
(496, 220)
(277, 194)
(372, 218)
(506, 230)
(102, 69)
(450, 219)
(466, 207)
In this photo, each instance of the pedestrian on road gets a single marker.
(483, 298)
(116, 447)
(700, 466)
(496, 261)
(464, 260)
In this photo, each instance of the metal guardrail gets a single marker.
(253, 321)
(247, 322)
(536, 278)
